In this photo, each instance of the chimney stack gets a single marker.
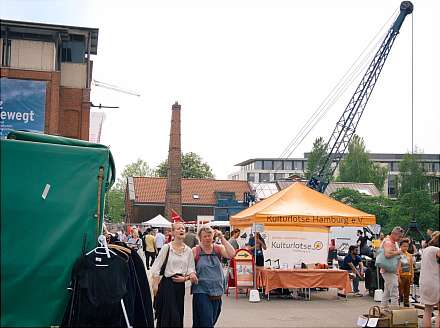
(173, 197)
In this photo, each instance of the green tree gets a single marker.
(316, 159)
(115, 202)
(115, 208)
(192, 167)
(357, 167)
(139, 168)
(390, 213)
(412, 176)
(380, 206)
(415, 205)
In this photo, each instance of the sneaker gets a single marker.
(358, 294)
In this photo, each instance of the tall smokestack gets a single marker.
(173, 197)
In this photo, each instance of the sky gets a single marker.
(248, 74)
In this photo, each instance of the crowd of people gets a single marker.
(176, 256)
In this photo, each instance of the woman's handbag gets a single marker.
(388, 264)
(161, 273)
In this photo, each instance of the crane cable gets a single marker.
(412, 83)
(337, 91)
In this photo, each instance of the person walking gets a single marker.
(160, 241)
(353, 264)
(391, 283)
(191, 238)
(207, 294)
(150, 248)
(233, 240)
(430, 279)
(175, 264)
(406, 272)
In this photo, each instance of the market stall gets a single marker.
(296, 224)
(158, 222)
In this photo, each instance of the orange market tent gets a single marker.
(301, 206)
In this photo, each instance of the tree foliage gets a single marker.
(316, 159)
(115, 208)
(380, 206)
(192, 167)
(412, 176)
(356, 166)
(390, 213)
(139, 168)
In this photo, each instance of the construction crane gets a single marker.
(347, 124)
(113, 88)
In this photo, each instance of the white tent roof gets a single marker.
(219, 223)
(158, 221)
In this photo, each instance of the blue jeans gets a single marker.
(205, 311)
(355, 282)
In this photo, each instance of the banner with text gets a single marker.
(289, 246)
(22, 105)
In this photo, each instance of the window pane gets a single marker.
(258, 165)
(264, 177)
(288, 165)
(268, 165)
(298, 165)
(279, 176)
(251, 177)
(278, 165)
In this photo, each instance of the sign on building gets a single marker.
(22, 105)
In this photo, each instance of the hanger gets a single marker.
(121, 248)
(103, 242)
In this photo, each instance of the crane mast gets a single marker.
(349, 120)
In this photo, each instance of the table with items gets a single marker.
(270, 279)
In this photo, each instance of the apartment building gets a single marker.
(46, 72)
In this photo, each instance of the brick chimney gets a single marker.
(173, 197)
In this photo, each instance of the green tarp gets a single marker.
(42, 237)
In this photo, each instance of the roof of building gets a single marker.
(194, 191)
(367, 188)
(29, 28)
(246, 162)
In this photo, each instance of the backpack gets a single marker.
(217, 251)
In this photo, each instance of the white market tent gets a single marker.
(158, 221)
(221, 224)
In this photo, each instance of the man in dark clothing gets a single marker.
(362, 242)
(353, 264)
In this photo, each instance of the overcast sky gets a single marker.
(248, 74)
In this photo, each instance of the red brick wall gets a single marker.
(67, 109)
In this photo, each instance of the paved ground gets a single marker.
(324, 310)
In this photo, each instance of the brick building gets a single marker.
(145, 198)
(57, 58)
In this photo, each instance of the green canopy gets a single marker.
(49, 214)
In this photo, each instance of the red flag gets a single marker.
(175, 217)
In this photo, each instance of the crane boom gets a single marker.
(349, 120)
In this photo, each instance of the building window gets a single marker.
(392, 187)
(304, 165)
(436, 167)
(251, 177)
(264, 177)
(288, 165)
(278, 165)
(258, 165)
(66, 55)
(395, 166)
(279, 176)
(298, 165)
(267, 165)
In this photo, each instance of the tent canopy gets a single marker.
(300, 205)
(158, 221)
(221, 224)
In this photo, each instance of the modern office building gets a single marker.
(275, 169)
(46, 73)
